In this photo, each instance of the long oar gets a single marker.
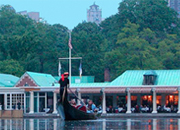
(76, 96)
(63, 94)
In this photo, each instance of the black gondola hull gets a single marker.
(68, 112)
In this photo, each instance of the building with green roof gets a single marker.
(36, 79)
(39, 91)
(7, 80)
(136, 77)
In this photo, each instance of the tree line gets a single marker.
(141, 35)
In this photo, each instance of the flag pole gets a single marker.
(70, 61)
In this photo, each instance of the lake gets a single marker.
(99, 124)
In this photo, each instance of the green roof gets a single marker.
(80, 85)
(78, 79)
(7, 80)
(42, 79)
(135, 78)
(150, 72)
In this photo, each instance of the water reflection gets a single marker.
(100, 124)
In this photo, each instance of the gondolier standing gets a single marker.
(64, 83)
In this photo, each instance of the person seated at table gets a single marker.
(73, 103)
(132, 109)
(167, 109)
(137, 110)
(120, 109)
(91, 107)
(116, 109)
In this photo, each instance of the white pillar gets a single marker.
(104, 103)
(54, 101)
(45, 99)
(79, 96)
(128, 102)
(178, 100)
(31, 102)
(154, 102)
(24, 102)
(5, 101)
(10, 101)
(37, 101)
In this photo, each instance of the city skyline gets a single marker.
(68, 13)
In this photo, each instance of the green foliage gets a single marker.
(87, 41)
(132, 51)
(11, 67)
(36, 46)
(153, 14)
(144, 34)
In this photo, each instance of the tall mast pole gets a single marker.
(70, 60)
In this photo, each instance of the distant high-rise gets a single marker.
(94, 14)
(175, 4)
(33, 15)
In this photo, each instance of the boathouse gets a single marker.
(38, 92)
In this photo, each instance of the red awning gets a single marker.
(73, 90)
(115, 90)
(140, 90)
(89, 90)
(166, 89)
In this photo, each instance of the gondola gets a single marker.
(68, 112)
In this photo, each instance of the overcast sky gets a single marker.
(66, 12)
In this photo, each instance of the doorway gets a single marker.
(2, 100)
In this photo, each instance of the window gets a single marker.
(26, 84)
(8, 101)
(149, 78)
(17, 101)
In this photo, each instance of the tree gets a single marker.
(11, 67)
(132, 51)
(87, 41)
(153, 14)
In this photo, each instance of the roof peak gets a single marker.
(29, 72)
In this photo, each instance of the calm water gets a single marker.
(100, 124)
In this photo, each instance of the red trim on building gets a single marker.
(89, 90)
(73, 90)
(115, 90)
(140, 90)
(26, 81)
(166, 89)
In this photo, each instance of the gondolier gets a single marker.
(64, 83)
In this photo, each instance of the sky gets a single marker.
(65, 12)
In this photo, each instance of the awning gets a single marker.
(89, 90)
(166, 89)
(73, 90)
(140, 90)
(115, 90)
